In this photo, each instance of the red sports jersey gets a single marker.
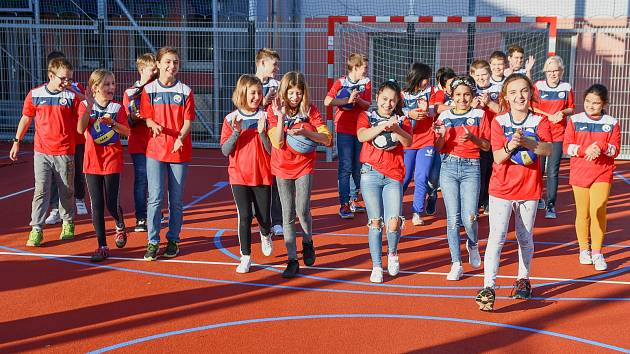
(250, 164)
(552, 100)
(581, 132)
(168, 107)
(346, 121)
(509, 180)
(423, 134)
(475, 120)
(99, 159)
(284, 162)
(139, 135)
(55, 116)
(388, 162)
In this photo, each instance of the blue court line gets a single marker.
(220, 247)
(621, 177)
(354, 316)
(302, 288)
(217, 187)
(572, 243)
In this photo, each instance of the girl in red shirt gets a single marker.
(293, 170)
(244, 140)
(513, 187)
(103, 164)
(462, 132)
(592, 139)
(382, 174)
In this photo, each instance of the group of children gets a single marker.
(460, 135)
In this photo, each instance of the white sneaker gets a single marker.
(246, 262)
(266, 244)
(277, 230)
(53, 217)
(456, 271)
(377, 275)
(416, 219)
(81, 208)
(393, 265)
(599, 262)
(473, 256)
(585, 257)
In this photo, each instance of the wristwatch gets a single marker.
(16, 140)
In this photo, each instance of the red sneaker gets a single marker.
(357, 207)
(345, 212)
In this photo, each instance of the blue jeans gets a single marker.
(156, 170)
(140, 185)
(383, 201)
(553, 167)
(459, 178)
(348, 150)
(418, 164)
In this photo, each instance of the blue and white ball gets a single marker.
(103, 135)
(385, 140)
(299, 143)
(523, 156)
(345, 93)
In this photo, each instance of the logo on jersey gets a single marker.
(470, 121)
(177, 98)
(583, 128)
(62, 101)
(157, 99)
(607, 128)
(494, 96)
(561, 94)
(530, 130)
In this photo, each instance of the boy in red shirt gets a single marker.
(359, 97)
(54, 109)
(139, 137)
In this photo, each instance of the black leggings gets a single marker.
(104, 188)
(486, 158)
(244, 196)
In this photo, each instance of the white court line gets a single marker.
(282, 266)
(16, 193)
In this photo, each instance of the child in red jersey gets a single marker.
(168, 105)
(348, 146)
(382, 174)
(103, 164)
(294, 170)
(513, 187)
(462, 133)
(139, 137)
(554, 99)
(418, 156)
(244, 140)
(54, 108)
(517, 62)
(592, 139)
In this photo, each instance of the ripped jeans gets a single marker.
(383, 201)
(459, 179)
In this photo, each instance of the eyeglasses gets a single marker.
(557, 71)
(63, 79)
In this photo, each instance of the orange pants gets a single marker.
(590, 218)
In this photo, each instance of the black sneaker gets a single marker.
(101, 254)
(431, 202)
(172, 249)
(293, 268)
(152, 252)
(485, 299)
(308, 253)
(522, 289)
(550, 213)
(141, 226)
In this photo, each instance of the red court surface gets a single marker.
(55, 300)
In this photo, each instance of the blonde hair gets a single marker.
(554, 59)
(239, 96)
(295, 79)
(266, 53)
(356, 59)
(97, 77)
(145, 60)
(479, 64)
(59, 63)
(165, 50)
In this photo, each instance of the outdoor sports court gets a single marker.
(55, 300)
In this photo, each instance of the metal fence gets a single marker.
(214, 54)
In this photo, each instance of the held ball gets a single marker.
(103, 135)
(523, 156)
(300, 144)
(345, 93)
(385, 140)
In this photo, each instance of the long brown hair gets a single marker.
(503, 103)
(295, 79)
